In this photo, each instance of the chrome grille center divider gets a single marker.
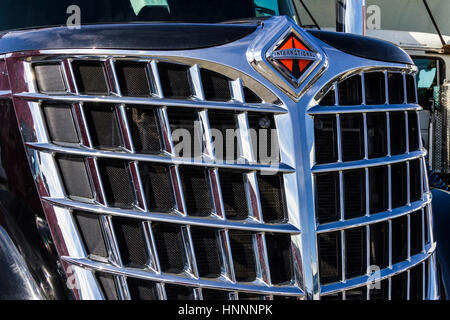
(295, 128)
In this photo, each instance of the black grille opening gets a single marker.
(75, 177)
(264, 137)
(327, 197)
(271, 194)
(330, 257)
(416, 283)
(142, 290)
(243, 255)
(91, 232)
(169, 244)
(415, 184)
(329, 99)
(250, 296)
(379, 244)
(131, 241)
(209, 294)
(375, 88)
(378, 189)
(398, 132)
(60, 124)
(186, 132)
(332, 297)
(280, 258)
(426, 225)
(355, 252)
(107, 285)
(251, 97)
(232, 184)
(380, 291)
(216, 87)
(174, 80)
(413, 131)
(410, 89)
(196, 191)
(133, 79)
(158, 190)
(356, 294)
(399, 287)
(207, 252)
(350, 91)
(174, 292)
(377, 135)
(144, 129)
(224, 131)
(416, 232)
(352, 127)
(399, 185)
(49, 78)
(354, 193)
(396, 89)
(91, 77)
(103, 126)
(117, 184)
(399, 239)
(325, 135)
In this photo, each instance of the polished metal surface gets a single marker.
(350, 16)
(244, 62)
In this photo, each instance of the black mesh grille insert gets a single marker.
(416, 283)
(375, 88)
(354, 193)
(377, 135)
(207, 254)
(399, 185)
(272, 197)
(90, 77)
(144, 130)
(398, 132)
(416, 232)
(280, 257)
(350, 91)
(209, 294)
(251, 97)
(264, 137)
(243, 255)
(330, 257)
(223, 127)
(60, 124)
(186, 132)
(156, 181)
(332, 297)
(399, 287)
(352, 127)
(380, 291)
(103, 126)
(215, 86)
(107, 285)
(174, 80)
(378, 189)
(131, 240)
(233, 194)
(413, 131)
(415, 181)
(355, 252)
(250, 297)
(356, 294)
(410, 89)
(396, 89)
(325, 134)
(179, 292)
(379, 244)
(196, 191)
(75, 177)
(399, 239)
(327, 197)
(116, 183)
(91, 233)
(49, 78)
(133, 78)
(141, 289)
(169, 244)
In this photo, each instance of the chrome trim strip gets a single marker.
(317, 110)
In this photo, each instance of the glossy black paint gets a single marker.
(133, 36)
(23, 230)
(364, 47)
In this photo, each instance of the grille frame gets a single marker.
(296, 165)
